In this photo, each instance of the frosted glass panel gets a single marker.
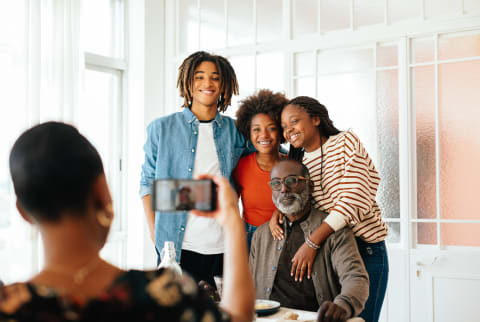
(422, 50)
(305, 17)
(350, 100)
(240, 22)
(212, 24)
(457, 234)
(369, 12)
(388, 195)
(305, 87)
(304, 64)
(269, 20)
(399, 10)
(437, 8)
(244, 69)
(393, 232)
(334, 15)
(423, 82)
(270, 73)
(458, 46)
(471, 6)
(387, 55)
(459, 113)
(344, 61)
(188, 25)
(426, 233)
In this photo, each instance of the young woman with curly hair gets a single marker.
(258, 119)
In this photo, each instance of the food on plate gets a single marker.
(262, 306)
(290, 316)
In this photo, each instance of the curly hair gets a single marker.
(313, 108)
(262, 102)
(228, 79)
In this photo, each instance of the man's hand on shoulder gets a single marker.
(331, 312)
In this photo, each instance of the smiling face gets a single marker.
(206, 85)
(264, 134)
(299, 129)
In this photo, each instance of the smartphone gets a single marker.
(171, 195)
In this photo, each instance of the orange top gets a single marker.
(252, 185)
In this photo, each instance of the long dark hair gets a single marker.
(313, 108)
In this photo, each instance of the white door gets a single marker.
(445, 221)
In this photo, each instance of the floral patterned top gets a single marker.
(133, 296)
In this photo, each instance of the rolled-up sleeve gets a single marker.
(148, 167)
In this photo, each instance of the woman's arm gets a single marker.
(238, 292)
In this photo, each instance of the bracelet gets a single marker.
(311, 244)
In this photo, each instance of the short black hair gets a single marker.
(53, 168)
(228, 79)
(262, 102)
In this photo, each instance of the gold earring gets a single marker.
(105, 217)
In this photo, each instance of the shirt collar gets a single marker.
(190, 117)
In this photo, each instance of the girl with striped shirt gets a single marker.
(345, 184)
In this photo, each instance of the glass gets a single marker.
(399, 10)
(290, 181)
(422, 50)
(386, 55)
(270, 71)
(393, 232)
(471, 6)
(460, 234)
(188, 24)
(244, 69)
(304, 64)
(388, 195)
(369, 12)
(426, 233)
(269, 20)
(305, 86)
(114, 252)
(240, 22)
(334, 15)
(336, 61)
(459, 140)
(305, 17)
(438, 8)
(423, 88)
(102, 27)
(453, 46)
(212, 24)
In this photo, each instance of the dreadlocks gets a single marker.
(228, 79)
(313, 108)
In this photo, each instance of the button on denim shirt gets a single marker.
(170, 154)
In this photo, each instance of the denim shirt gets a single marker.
(170, 153)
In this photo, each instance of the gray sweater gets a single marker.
(338, 272)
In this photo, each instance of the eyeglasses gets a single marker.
(290, 181)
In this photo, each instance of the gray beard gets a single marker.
(300, 202)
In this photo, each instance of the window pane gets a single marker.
(369, 12)
(304, 64)
(270, 71)
(458, 46)
(269, 20)
(399, 10)
(188, 25)
(471, 6)
(457, 234)
(240, 22)
(388, 195)
(459, 139)
(344, 61)
(423, 82)
(212, 24)
(244, 69)
(437, 8)
(114, 251)
(393, 232)
(334, 15)
(426, 233)
(422, 50)
(102, 27)
(305, 17)
(387, 55)
(305, 86)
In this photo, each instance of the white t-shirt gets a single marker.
(204, 235)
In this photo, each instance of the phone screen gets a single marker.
(170, 195)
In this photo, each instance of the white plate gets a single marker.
(268, 307)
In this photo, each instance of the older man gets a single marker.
(339, 282)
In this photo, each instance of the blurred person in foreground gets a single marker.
(61, 188)
(338, 287)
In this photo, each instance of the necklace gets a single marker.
(80, 274)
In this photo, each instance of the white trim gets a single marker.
(105, 61)
(452, 221)
(437, 143)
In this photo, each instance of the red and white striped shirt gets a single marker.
(350, 182)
